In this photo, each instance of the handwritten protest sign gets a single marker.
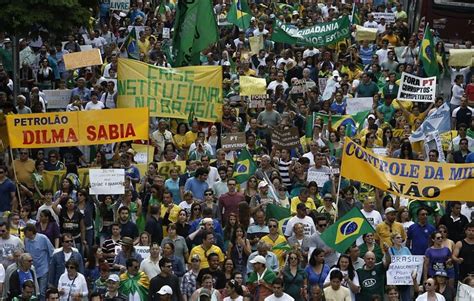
(144, 251)
(123, 5)
(402, 267)
(389, 17)
(358, 104)
(233, 141)
(298, 87)
(107, 181)
(285, 138)
(57, 99)
(258, 101)
(252, 86)
(414, 88)
(317, 176)
(81, 59)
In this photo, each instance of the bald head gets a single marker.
(369, 259)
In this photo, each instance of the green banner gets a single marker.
(321, 34)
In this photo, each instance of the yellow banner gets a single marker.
(413, 179)
(52, 179)
(171, 92)
(82, 59)
(144, 153)
(165, 167)
(250, 85)
(77, 128)
(363, 33)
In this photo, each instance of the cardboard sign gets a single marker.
(82, 59)
(107, 181)
(389, 17)
(402, 267)
(415, 88)
(381, 151)
(364, 33)
(256, 43)
(258, 101)
(166, 33)
(316, 176)
(234, 141)
(461, 57)
(123, 5)
(299, 87)
(285, 138)
(57, 99)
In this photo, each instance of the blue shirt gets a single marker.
(196, 187)
(173, 187)
(84, 93)
(41, 250)
(470, 158)
(420, 237)
(6, 188)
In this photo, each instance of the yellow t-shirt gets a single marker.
(199, 250)
(280, 254)
(384, 234)
(190, 138)
(296, 200)
(173, 217)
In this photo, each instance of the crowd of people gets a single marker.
(196, 233)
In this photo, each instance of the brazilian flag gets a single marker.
(240, 14)
(132, 45)
(244, 167)
(341, 235)
(428, 55)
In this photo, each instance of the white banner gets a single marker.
(57, 99)
(123, 5)
(317, 176)
(402, 267)
(414, 88)
(381, 151)
(465, 292)
(106, 181)
(358, 104)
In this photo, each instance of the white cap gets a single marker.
(371, 116)
(295, 13)
(335, 73)
(258, 259)
(390, 210)
(114, 278)
(252, 19)
(262, 184)
(206, 220)
(165, 290)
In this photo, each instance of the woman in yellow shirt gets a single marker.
(274, 238)
(180, 139)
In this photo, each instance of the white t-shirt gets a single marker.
(457, 91)
(94, 106)
(372, 24)
(239, 298)
(72, 286)
(7, 246)
(309, 228)
(284, 297)
(355, 281)
(150, 268)
(342, 294)
(374, 218)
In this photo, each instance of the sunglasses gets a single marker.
(272, 226)
(208, 193)
(322, 225)
(428, 283)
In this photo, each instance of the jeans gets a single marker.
(43, 285)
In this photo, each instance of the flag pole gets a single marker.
(337, 196)
(16, 180)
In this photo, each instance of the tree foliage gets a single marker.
(57, 16)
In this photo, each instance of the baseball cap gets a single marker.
(114, 278)
(390, 210)
(205, 292)
(371, 116)
(262, 184)
(327, 196)
(165, 290)
(258, 259)
(441, 273)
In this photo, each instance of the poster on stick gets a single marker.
(107, 181)
(402, 267)
(234, 141)
(414, 88)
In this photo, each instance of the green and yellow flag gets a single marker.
(428, 54)
(240, 14)
(244, 167)
(341, 235)
(132, 45)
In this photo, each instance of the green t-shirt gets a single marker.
(371, 282)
